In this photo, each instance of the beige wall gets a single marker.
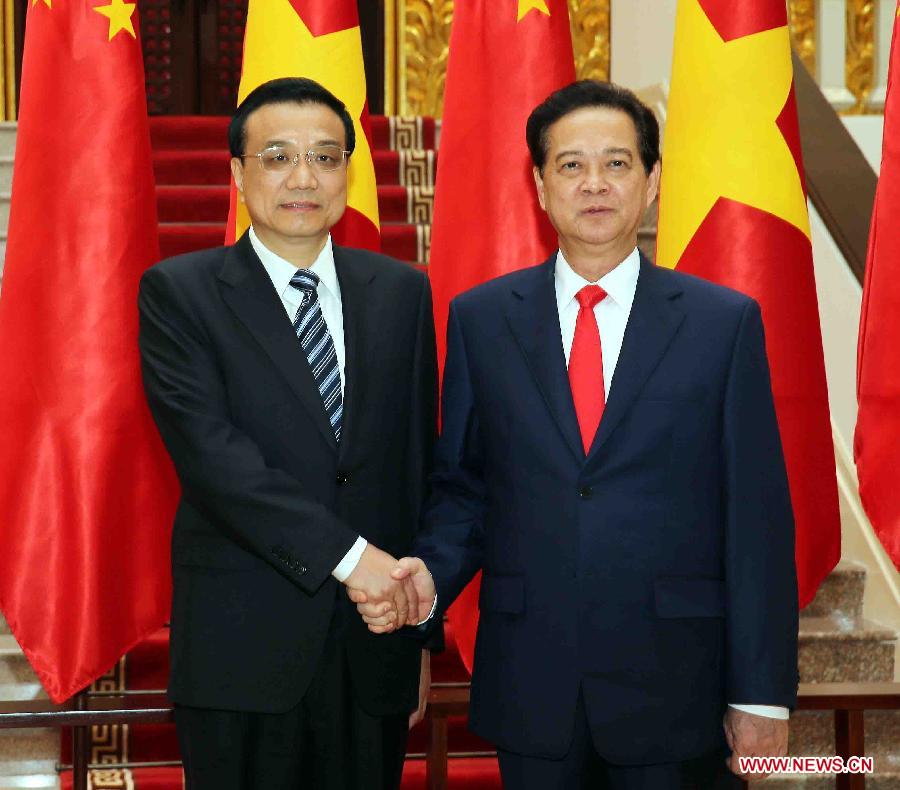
(642, 35)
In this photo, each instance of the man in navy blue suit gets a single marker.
(610, 460)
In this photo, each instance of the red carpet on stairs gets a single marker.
(191, 165)
(190, 158)
(146, 668)
(466, 773)
(197, 203)
(205, 131)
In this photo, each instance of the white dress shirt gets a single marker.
(611, 314)
(612, 317)
(328, 290)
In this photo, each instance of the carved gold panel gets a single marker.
(590, 22)
(7, 61)
(860, 66)
(417, 43)
(803, 31)
(424, 33)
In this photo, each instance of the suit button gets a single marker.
(303, 569)
(341, 478)
(585, 492)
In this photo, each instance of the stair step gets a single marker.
(406, 242)
(841, 593)
(210, 203)
(6, 171)
(211, 167)
(8, 138)
(472, 773)
(845, 650)
(28, 751)
(47, 781)
(887, 779)
(14, 667)
(197, 132)
(812, 733)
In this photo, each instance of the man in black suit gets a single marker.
(294, 385)
(610, 459)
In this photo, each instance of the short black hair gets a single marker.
(286, 90)
(592, 93)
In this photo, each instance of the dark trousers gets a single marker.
(327, 742)
(583, 769)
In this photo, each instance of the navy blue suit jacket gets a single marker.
(657, 573)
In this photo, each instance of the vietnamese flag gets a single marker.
(87, 493)
(320, 40)
(877, 441)
(733, 210)
(506, 57)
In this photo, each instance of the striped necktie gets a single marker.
(314, 337)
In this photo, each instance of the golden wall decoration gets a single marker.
(860, 66)
(417, 43)
(803, 31)
(590, 22)
(424, 27)
(7, 61)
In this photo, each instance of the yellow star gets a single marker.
(722, 139)
(532, 5)
(119, 14)
(46, 3)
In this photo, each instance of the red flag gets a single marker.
(877, 441)
(733, 210)
(506, 56)
(319, 39)
(87, 493)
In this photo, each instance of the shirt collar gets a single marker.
(280, 271)
(620, 284)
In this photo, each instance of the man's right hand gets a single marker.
(411, 571)
(372, 581)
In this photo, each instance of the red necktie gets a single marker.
(586, 365)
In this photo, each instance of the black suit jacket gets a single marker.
(656, 575)
(270, 502)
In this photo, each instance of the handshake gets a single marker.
(390, 593)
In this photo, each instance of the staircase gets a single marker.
(838, 645)
(191, 167)
(190, 161)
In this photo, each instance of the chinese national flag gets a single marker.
(506, 57)
(87, 494)
(733, 210)
(877, 443)
(318, 39)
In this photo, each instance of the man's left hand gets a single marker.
(749, 735)
(424, 687)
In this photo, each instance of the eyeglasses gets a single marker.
(321, 158)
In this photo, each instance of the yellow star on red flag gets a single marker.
(525, 6)
(119, 14)
(738, 152)
(46, 3)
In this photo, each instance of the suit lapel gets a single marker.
(248, 292)
(533, 318)
(353, 279)
(654, 319)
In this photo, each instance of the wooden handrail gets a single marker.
(106, 709)
(839, 180)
